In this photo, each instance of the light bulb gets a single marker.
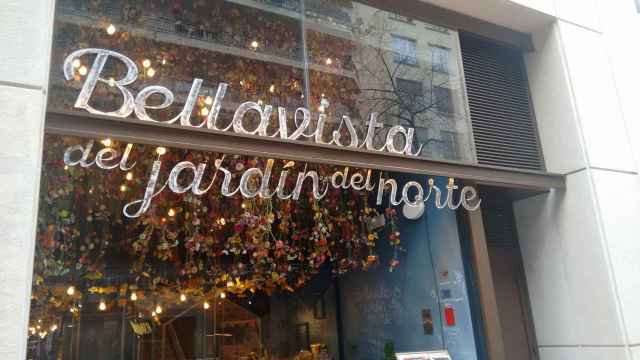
(129, 176)
(158, 309)
(329, 61)
(153, 313)
(161, 150)
(151, 72)
(53, 327)
(106, 142)
(123, 188)
(134, 296)
(206, 305)
(171, 212)
(77, 63)
(71, 290)
(102, 306)
(208, 100)
(254, 44)
(83, 70)
(183, 297)
(146, 63)
(223, 295)
(272, 88)
(111, 29)
(204, 111)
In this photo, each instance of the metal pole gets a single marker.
(122, 330)
(305, 57)
(164, 339)
(77, 350)
(215, 325)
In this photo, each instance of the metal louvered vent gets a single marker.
(503, 126)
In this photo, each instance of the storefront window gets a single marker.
(337, 58)
(204, 272)
(153, 252)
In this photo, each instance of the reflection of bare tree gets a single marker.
(402, 98)
(402, 87)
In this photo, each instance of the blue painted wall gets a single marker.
(379, 306)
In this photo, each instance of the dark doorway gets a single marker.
(508, 275)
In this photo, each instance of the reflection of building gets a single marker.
(413, 76)
(422, 91)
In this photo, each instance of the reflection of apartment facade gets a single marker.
(415, 68)
(426, 91)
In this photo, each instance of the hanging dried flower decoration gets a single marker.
(187, 244)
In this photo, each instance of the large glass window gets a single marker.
(206, 272)
(333, 57)
(217, 275)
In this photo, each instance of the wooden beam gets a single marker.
(488, 302)
(144, 132)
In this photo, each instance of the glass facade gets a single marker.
(204, 272)
(221, 276)
(334, 57)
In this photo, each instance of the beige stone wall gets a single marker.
(25, 41)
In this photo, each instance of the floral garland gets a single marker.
(187, 245)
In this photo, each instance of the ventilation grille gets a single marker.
(503, 127)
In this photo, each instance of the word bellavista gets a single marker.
(138, 104)
(257, 182)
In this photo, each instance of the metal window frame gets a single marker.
(144, 132)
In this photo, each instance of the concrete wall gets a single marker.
(25, 40)
(579, 246)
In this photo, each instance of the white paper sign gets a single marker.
(425, 355)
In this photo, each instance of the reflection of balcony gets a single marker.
(164, 29)
(180, 90)
(327, 12)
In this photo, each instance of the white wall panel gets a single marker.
(553, 106)
(619, 200)
(25, 31)
(596, 99)
(24, 40)
(572, 299)
(559, 353)
(580, 12)
(545, 6)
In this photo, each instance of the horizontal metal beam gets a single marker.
(143, 132)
